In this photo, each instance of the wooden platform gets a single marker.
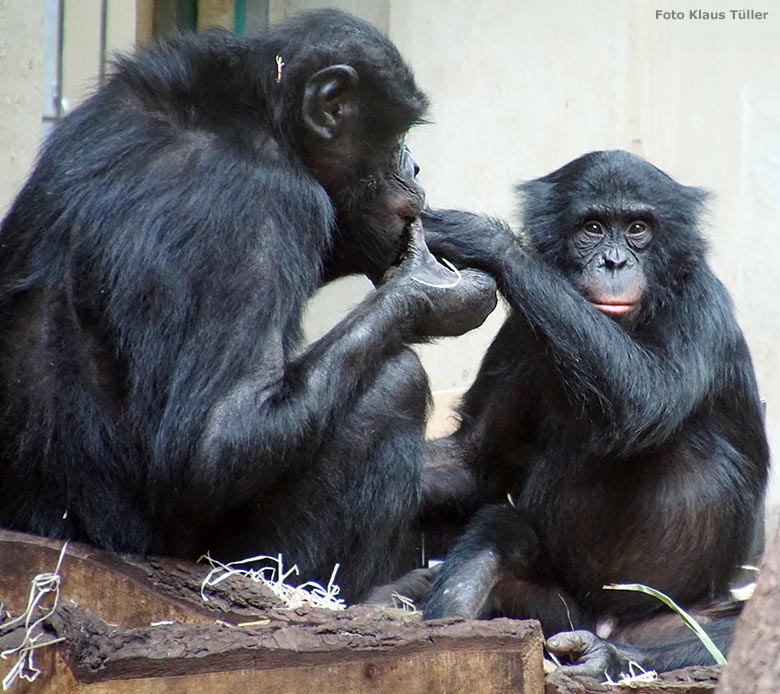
(109, 604)
(131, 625)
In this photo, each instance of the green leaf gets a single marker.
(690, 622)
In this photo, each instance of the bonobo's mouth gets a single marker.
(403, 241)
(614, 309)
(424, 267)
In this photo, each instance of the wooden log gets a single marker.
(360, 650)
(124, 589)
(691, 680)
(753, 663)
(113, 648)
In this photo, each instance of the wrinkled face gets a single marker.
(374, 213)
(609, 248)
(351, 139)
(405, 197)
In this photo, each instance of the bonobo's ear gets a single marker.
(330, 100)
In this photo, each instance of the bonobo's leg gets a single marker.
(358, 503)
(497, 568)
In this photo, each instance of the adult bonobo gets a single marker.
(618, 408)
(155, 395)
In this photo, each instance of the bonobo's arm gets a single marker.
(284, 419)
(451, 487)
(643, 389)
(481, 459)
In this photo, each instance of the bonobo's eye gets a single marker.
(639, 234)
(593, 229)
(406, 164)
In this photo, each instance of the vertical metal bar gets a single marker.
(60, 46)
(51, 64)
(239, 16)
(187, 14)
(103, 37)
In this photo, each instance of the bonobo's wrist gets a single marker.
(406, 309)
(505, 257)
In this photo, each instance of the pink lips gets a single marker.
(615, 309)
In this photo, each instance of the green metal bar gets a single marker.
(187, 14)
(239, 13)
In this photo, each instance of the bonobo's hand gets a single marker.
(468, 240)
(587, 654)
(456, 301)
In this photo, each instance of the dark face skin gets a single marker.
(609, 248)
(373, 185)
(373, 217)
(393, 199)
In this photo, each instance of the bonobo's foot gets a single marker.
(458, 301)
(427, 269)
(415, 585)
(584, 653)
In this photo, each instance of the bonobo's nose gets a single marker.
(614, 259)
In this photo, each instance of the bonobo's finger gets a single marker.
(422, 266)
(569, 644)
(467, 240)
(418, 262)
(442, 246)
(415, 247)
(585, 652)
(595, 666)
(478, 290)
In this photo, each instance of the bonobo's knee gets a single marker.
(497, 542)
(505, 530)
(400, 390)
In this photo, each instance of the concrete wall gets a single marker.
(23, 85)
(375, 11)
(21, 80)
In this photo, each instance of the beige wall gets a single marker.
(21, 73)
(81, 44)
(21, 77)
(375, 11)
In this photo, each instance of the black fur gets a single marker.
(154, 394)
(632, 446)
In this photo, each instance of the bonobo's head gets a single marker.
(623, 232)
(350, 99)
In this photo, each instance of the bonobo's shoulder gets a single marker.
(705, 284)
(190, 79)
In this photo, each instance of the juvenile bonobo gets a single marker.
(618, 408)
(154, 393)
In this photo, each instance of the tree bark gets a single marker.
(753, 663)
